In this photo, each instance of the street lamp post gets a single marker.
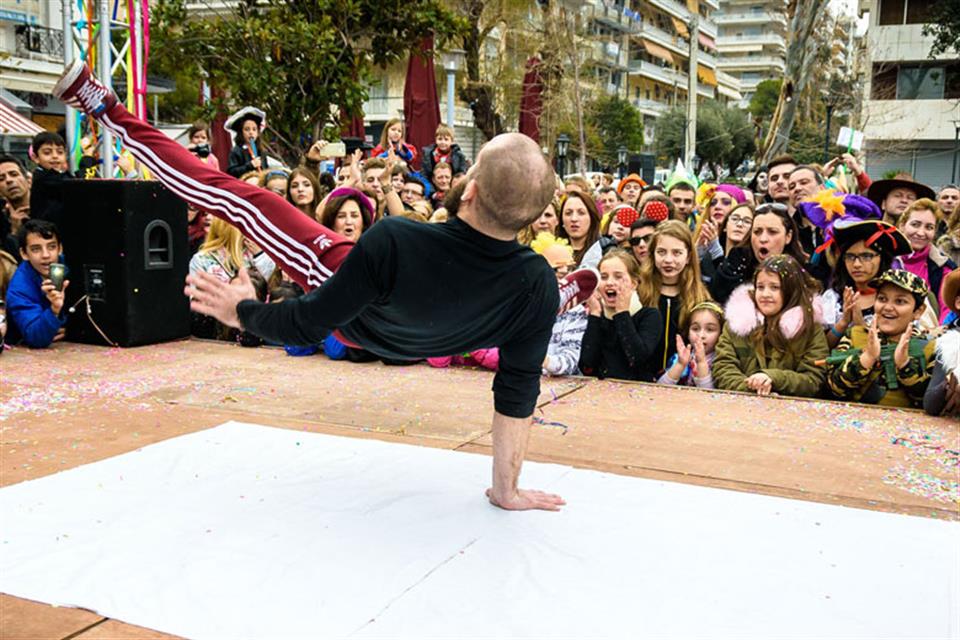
(563, 145)
(452, 60)
(621, 160)
(956, 150)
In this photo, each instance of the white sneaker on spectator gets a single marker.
(576, 287)
(82, 91)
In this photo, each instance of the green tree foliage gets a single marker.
(297, 59)
(764, 100)
(724, 135)
(617, 123)
(944, 26)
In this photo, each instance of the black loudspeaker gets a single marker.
(126, 250)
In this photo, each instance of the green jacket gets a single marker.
(792, 374)
(850, 381)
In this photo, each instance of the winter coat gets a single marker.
(947, 351)
(30, 316)
(622, 346)
(455, 158)
(794, 372)
(239, 160)
(848, 380)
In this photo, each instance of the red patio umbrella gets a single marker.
(531, 100)
(421, 106)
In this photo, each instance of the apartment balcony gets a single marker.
(38, 43)
(674, 8)
(382, 108)
(666, 75)
(653, 108)
(706, 91)
(713, 4)
(709, 27)
(613, 18)
(751, 63)
(608, 53)
(707, 59)
(751, 43)
(671, 41)
(750, 18)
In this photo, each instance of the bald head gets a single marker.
(514, 182)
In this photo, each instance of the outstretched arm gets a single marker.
(510, 437)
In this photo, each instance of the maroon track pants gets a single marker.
(303, 248)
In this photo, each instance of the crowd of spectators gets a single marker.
(810, 281)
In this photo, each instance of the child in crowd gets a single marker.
(614, 232)
(773, 339)
(247, 154)
(563, 352)
(691, 364)
(887, 363)
(199, 136)
(866, 248)
(34, 303)
(622, 335)
(392, 140)
(943, 391)
(446, 151)
(275, 181)
(49, 151)
(670, 282)
(919, 224)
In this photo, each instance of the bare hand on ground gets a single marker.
(525, 499)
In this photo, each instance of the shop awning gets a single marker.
(681, 28)
(657, 51)
(706, 75)
(14, 124)
(707, 41)
(693, 6)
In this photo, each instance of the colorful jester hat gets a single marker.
(827, 206)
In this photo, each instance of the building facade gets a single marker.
(911, 111)
(752, 41)
(31, 36)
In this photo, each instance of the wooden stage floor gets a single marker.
(75, 404)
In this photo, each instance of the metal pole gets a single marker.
(691, 147)
(451, 79)
(956, 149)
(826, 139)
(71, 115)
(103, 44)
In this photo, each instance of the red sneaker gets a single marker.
(78, 88)
(576, 287)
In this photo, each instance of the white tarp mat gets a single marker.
(244, 531)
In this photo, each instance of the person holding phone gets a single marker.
(35, 297)
(199, 136)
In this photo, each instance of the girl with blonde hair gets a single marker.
(670, 282)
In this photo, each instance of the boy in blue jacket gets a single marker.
(34, 305)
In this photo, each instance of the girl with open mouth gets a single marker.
(622, 335)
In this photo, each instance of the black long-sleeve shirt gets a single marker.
(622, 347)
(414, 290)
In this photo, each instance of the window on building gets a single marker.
(920, 83)
(884, 85)
(919, 11)
(893, 12)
